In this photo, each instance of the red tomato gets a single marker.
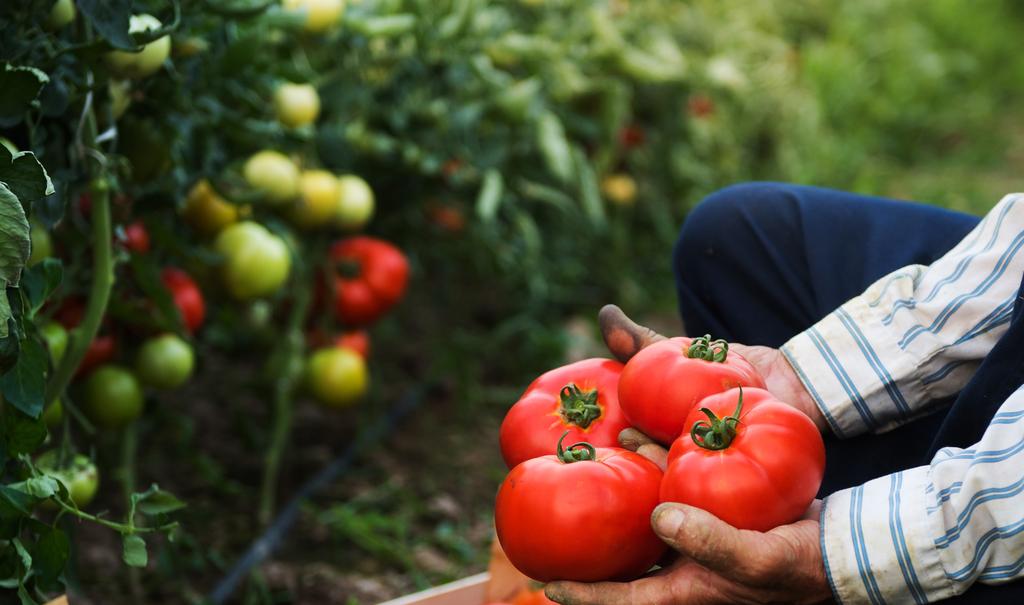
(632, 136)
(103, 347)
(532, 597)
(357, 340)
(582, 515)
(186, 295)
(662, 383)
(749, 459)
(581, 398)
(370, 277)
(136, 238)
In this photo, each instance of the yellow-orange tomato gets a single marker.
(296, 104)
(321, 15)
(318, 202)
(336, 376)
(274, 174)
(355, 202)
(620, 189)
(206, 211)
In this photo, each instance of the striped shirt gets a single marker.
(883, 359)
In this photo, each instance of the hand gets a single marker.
(717, 563)
(626, 338)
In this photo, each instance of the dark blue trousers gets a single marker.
(758, 263)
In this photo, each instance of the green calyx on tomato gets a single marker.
(568, 455)
(707, 349)
(577, 406)
(717, 433)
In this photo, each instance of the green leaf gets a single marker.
(134, 551)
(590, 189)
(159, 502)
(51, 554)
(554, 146)
(25, 597)
(10, 347)
(489, 198)
(23, 385)
(24, 176)
(22, 434)
(39, 487)
(14, 250)
(110, 19)
(23, 554)
(40, 281)
(20, 86)
(14, 502)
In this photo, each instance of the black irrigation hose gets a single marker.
(266, 544)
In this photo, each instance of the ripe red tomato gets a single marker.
(136, 238)
(370, 277)
(357, 340)
(187, 297)
(532, 597)
(662, 383)
(583, 514)
(749, 459)
(581, 398)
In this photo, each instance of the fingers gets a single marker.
(622, 335)
(635, 441)
(646, 591)
(745, 556)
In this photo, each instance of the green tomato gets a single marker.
(148, 60)
(256, 262)
(42, 244)
(120, 97)
(53, 414)
(62, 13)
(336, 376)
(355, 203)
(81, 478)
(296, 104)
(56, 338)
(165, 362)
(113, 397)
(274, 174)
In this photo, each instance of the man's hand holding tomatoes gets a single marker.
(716, 563)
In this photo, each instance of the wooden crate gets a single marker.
(501, 582)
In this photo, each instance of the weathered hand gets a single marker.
(717, 563)
(625, 338)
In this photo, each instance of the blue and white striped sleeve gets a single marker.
(916, 335)
(928, 533)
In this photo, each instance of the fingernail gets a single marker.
(668, 519)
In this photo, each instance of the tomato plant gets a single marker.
(662, 383)
(581, 398)
(583, 514)
(370, 276)
(186, 296)
(749, 459)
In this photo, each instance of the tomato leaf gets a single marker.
(159, 502)
(21, 86)
(590, 190)
(110, 19)
(23, 385)
(24, 176)
(50, 554)
(13, 502)
(489, 199)
(40, 281)
(22, 433)
(554, 146)
(39, 487)
(134, 551)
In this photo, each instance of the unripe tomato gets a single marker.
(56, 338)
(62, 13)
(81, 478)
(53, 414)
(336, 376)
(206, 211)
(42, 244)
(256, 262)
(120, 97)
(187, 297)
(318, 203)
(274, 174)
(112, 397)
(296, 104)
(619, 189)
(355, 203)
(320, 14)
(136, 238)
(145, 62)
(165, 362)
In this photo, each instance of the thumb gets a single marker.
(622, 335)
(741, 555)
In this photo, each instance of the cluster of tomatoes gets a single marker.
(359, 281)
(575, 506)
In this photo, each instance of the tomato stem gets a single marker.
(571, 454)
(708, 350)
(577, 406)
(717, 433)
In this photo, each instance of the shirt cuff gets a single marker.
(876, 542)
(854, 369)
